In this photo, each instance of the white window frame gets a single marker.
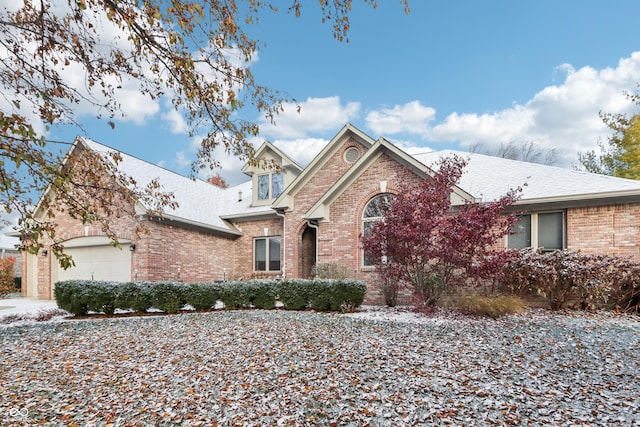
(267, 240)
(534, 230)
(270, 192)
(371, 220)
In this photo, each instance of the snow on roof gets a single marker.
(489, 178)
(199, 202)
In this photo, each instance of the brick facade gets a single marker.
(612, 230)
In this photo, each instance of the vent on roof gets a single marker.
(351, 155)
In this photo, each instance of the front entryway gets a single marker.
(308, 244)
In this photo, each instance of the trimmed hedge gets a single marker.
(80, 297)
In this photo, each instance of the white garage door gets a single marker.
(98, 262)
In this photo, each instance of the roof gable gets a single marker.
(320, 210)
(285, 200)
(267, 153)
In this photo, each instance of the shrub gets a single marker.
(294, 294)
(390, 287)
(493, 307)
(233, 295)
(101, 297)
(336, 295)
(261, 294)
(135, 296)
(202, 296)
(70, 296)
(81, 297)
(429, 287)
(169, 297)
(624, 279)
(429, 244)
(7, 273)
(562, 277)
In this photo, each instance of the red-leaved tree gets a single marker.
(426, 243)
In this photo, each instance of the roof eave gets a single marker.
(580, 200)
(197, 225)
(250, 215)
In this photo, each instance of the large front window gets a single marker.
(270, 186)
(373, 212)
(539, 230)
(267, 254)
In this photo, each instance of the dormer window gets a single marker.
(270, 186)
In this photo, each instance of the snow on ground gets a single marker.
(375, 367)
(18, 311)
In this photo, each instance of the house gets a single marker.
(283, 221)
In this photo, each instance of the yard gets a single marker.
(304, 368)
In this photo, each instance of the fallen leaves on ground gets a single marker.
(245, 368)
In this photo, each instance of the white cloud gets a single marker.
(563, 116)
(182, 160)
(302, 150)
(412, 118)
(316, 115)
(175, 121)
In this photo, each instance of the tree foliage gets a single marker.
(7, 274)
(217, 180)
(621, 155)
(428, 244)
(59, 58)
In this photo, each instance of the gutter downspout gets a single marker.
(284, 244)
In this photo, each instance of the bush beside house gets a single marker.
(81, 297)
(570, 278)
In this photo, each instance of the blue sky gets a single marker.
(451, 74)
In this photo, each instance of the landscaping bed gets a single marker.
(374, 367)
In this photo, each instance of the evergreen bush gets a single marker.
(203, 296)
(79, 297)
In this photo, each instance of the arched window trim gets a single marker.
(372, 213)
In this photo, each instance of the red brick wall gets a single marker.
(171, 252)
(243, 246)
(333, 168)
(612, 230)
(338, 239)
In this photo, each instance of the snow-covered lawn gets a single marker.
(378, 367)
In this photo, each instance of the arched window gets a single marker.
(373, 212)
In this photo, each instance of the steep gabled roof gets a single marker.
(285, 200)
(320, 210)
(489, 177)
(285, 162)
(200, 204)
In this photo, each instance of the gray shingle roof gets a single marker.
(489, 177)
(200, 203)
(485, 177)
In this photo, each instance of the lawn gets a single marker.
(304, 368)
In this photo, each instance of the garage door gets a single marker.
(97, 262)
